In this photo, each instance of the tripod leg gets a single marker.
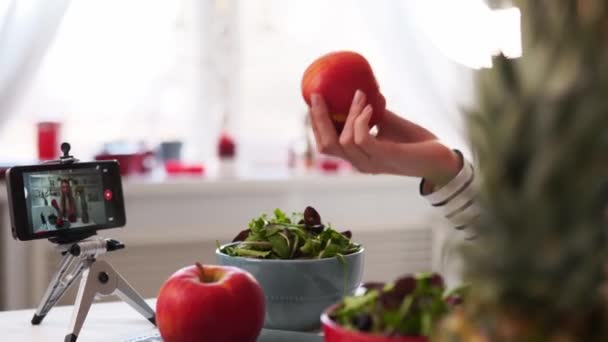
(101, 278)
(84, 299)
(69, 270)
(128, 294)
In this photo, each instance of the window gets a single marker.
(116, 70)
(142, 70)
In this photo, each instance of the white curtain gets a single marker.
(27, 29)
(128, 68)
(433, 47)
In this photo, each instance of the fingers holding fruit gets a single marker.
(357, 106)
(347, 137)
(352, 152)
(362, 136)
(324, 131)
(378, 157)
(355, 143)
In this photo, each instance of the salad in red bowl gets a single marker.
(407, 310)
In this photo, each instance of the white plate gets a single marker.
(267, 335)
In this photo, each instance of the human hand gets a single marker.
(400, 147)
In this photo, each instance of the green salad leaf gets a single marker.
(411, 306)
(299, 236)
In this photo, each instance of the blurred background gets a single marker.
(200, 101)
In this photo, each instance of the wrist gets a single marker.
(456, 200)
(449, 164)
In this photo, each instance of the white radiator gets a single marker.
(389, 253)
(173, 224)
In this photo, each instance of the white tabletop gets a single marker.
(108, 322)
(116, 322)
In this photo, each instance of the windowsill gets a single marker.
(145, 186)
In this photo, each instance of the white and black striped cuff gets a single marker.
(456, 199)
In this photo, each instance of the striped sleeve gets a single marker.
(456, 199)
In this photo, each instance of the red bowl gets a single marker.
(333, 332)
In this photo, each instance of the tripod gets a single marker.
(98, 278)
(80, 252)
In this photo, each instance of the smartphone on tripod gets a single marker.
(65, 201)
(68, 202)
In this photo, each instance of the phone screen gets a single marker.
(60, 199)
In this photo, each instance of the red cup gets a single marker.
(48, 140)
(333, 332)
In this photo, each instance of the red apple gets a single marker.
(337, 76)
(210, 303)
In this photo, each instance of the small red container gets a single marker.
(48, 140)
(226, 147)
(333, 332)
(174, 167)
